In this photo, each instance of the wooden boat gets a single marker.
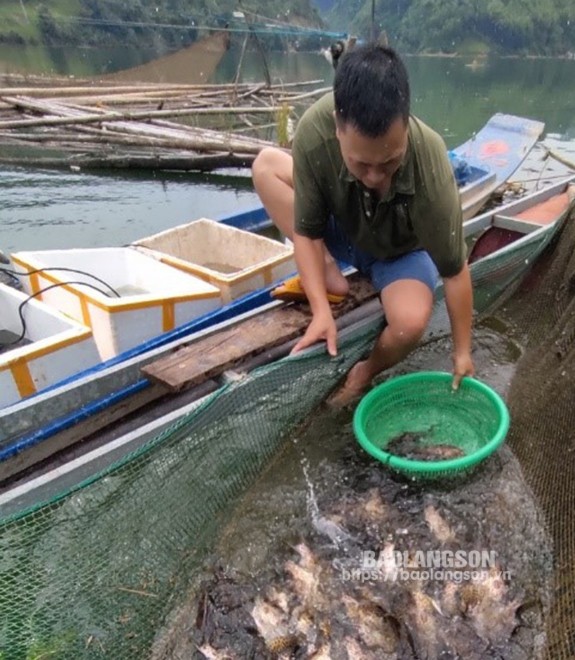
(131, 325)
(166, 381)
(493, 155)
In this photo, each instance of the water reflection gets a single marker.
(71, 60)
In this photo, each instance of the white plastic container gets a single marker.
(234, 260)
(57, 347)
(153, 297)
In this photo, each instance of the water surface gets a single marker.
(48, 209)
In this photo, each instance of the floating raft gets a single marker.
(159, 126)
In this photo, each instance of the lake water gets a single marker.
(48, 209)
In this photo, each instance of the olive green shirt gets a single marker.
(422, 208)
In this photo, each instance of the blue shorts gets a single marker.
(416, 265)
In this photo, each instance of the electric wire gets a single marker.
(68, 270)
(38, 293)
(271, 26)
(47, 288)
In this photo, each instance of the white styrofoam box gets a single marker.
(234, 260)
(153, 296)
(58, 347)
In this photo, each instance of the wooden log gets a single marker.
(222, 98)
(185, 162)
(96, 90)
(127, 116)
(217, 141)
(198, 131)
(205, 142)
(210, 356)
(132, 99)
(307, 95)
(78, 142)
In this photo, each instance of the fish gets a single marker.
(370, 597)
(209, 653)
(271, 622)
(438, 525)
(485, 602)
(375, 628)
(416, 447)
(305, 576)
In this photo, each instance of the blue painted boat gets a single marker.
(492, 155)
(506, 241)
(64, 405)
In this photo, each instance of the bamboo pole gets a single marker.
(95, 90)
(126, 116)
(561, 159)
(300, 97)
(199, 131)
(171, 129)
(198, 140)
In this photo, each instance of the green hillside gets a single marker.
(545, 27)
(171, 23)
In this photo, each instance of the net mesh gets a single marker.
(95, 571)
(542, 316)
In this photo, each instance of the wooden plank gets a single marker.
(508, 222)
(209, 357)
(547, 211)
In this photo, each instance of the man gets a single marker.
(371, 185)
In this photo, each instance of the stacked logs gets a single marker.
(161, 126)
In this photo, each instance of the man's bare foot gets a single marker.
(357, 382)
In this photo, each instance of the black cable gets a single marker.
(69, 270)
(33, 295)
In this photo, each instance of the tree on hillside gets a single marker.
(518, 26)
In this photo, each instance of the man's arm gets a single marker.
(310, 214)
(310, 259)
(459, 301)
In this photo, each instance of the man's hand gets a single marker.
(462, 366)
(321, 328)
(459, 301)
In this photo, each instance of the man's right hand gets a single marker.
(321, 328)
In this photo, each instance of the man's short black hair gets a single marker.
(371, 89)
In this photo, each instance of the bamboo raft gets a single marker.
(161, 126)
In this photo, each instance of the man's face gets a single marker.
(373, 161)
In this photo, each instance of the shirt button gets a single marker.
(366, 194)
(368, 214)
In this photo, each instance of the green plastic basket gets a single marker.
(474, 419)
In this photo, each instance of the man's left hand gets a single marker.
(462, 366)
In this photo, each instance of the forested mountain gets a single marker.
(128, 23)
(499, 26)
(541, 27)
